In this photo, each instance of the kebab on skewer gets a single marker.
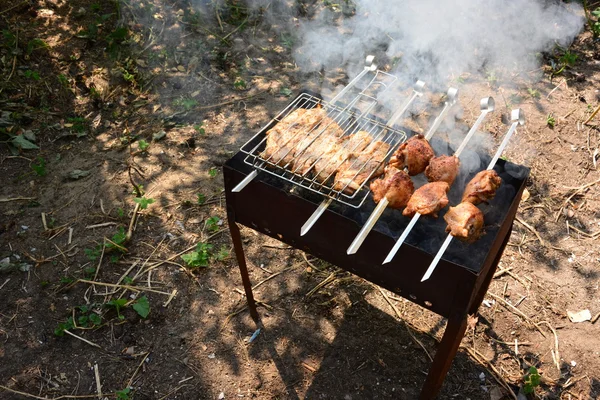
(518, 118)
(465, 222)
(444, 168)
(413, 155)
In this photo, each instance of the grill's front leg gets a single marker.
(241, 259)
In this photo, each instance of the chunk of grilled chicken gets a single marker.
(443, 168)
(283, 138)
(414, 155)
(482, 187)
(358, 167)
(465, 222)
(333, 158)
(428, 199)
(396, 186)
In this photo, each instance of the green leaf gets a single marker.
(40, 167)
(95, 319)
(596, 13)
(143, 202)
(285, 92)
(22, 143)
(142, 306)
(143, 145)
(117, 303)
(201, 199)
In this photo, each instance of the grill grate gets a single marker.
(352, 119)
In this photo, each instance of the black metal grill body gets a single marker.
(268, 206)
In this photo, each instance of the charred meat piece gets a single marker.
(333, 158)
(283, 138)
(428, 199)
(396, 186)
(323, 139)
(465, 222)
(482, 187)
(443, 168)
(414, 154)
(358, 167)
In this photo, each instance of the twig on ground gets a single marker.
(7, 199)
(66, 396)
(232, 101)
(171, 297)
(268, 278)
(236, 29)
(102, 225)
(137, 369)
(8, 279)
(490, 367)
(593, 115)
(44, 221)
(414, 338)
(98, 384)
(323, 283)
(577, 190)
(309, 263)
(516, 311)
(129, 287)
(82, 339)
(132, 222)
(593, 321)
(556, 354)
(501, 271)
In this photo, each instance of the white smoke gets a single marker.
(437, 41)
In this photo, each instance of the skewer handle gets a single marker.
(487, 105)
(244, 182)
(402, 238)
(519, 119)
(315, 216)
(362, 235)
(437, 258)
(369, 67)
(452, 97)
(417, 91)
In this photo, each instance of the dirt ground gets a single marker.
(102, 103)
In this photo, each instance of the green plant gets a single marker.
(63, 80)
(143, 202)
(568, 58)
(95, 7)
(198, 257)
(533, 93)
(123, 394)
(117, 240)
(89, 272)
(531, 380)
(199, 129)
(78, 124)
(36, 44)
(29, 74)
(201, 199)
(116, 38)
(285, 92)
(239, 83)
(222, 254)
(65, 280)
(143, 145)
(93, 254)
(184, 103)
(117, 304)
(596, 25)
(212, 224)
(9, 39)
(142, 306)
(550, 121)
(492, 78)
(19, 141)
(287, 40)
(64, 326)
(120, 212)
(88, 318)
(39, 167)
(212, 172)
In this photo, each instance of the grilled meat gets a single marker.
(414, 154)
(428, 199)
(332, 158)
(482, 187)
(283, 138)
(443, 168)
(465, 222)
(396, 186)
(359, 166)
(323, 139)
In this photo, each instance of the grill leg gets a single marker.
(241, 259)
(455, 330)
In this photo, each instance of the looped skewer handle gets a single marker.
(486, 105)
(310, 222)
(452, 97)
(518, 118)
(369, 67)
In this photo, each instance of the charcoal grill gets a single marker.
(278, 207)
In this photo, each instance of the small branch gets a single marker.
(7, 199)
(232, 101)
(593, 115)
(82, 339)
(66, 396)
(98, 384)
(516, 311)
(137, 369)
(102, 225)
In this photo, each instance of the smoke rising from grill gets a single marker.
(437, 41)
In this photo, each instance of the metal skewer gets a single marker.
(383, 203)
(518, 118)
(369, 67)
(310, 222)
(486, 105)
